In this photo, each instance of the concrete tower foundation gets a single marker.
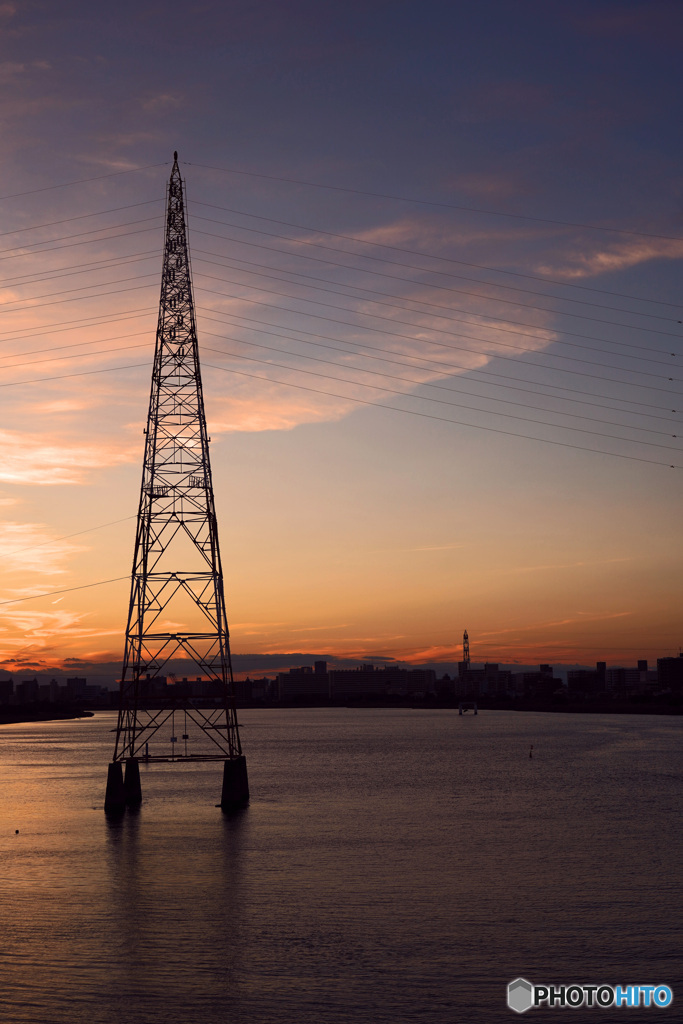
(115, 798)
(235, 784)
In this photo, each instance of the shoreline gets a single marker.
(23, 715)
(666, 706)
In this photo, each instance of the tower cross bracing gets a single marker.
(177, 602)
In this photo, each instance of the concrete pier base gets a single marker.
(235, 784)
(115, 798)
(131, 783)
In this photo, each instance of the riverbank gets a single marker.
(638, 705)
(665, 704)
(41, 712)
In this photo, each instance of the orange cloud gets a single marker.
(607, 259)
(33, 459)
(29, 547)
(26, 632)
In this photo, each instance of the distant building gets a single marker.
(490, 680)
(152, 686)
(6, 690)
(304, 683)
(369, 681)
(623, 682)
(263, 689)
(536, 684)
(407, 682)
(254, 689)
(353, 683)
(670, 673)
(28, 691)
(587, 681)
(75, 688)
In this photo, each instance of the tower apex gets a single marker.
(177, 610)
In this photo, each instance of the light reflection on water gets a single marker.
(392, 866)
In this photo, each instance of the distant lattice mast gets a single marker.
(177, 603)
(466, 650)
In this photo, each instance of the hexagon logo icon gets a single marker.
(520, 995)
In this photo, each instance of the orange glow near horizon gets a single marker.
(347, 531)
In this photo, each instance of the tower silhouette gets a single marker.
(177, 603)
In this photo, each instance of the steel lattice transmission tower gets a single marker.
(177, 603)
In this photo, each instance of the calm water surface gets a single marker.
(393, 866)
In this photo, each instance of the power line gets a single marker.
(438, 401)
(70, 245)
(68, 536)
(78, 234)
(429, 384)
(470, 371)
(80, 216)
(14, 255)
(82, 181)
(91, 529)
(77, 344)
(66, 590)
(467, 312)
(424, 255)
(80, 298)
(423, 327)
(75, 269)
(381, 356)
(84, 373)
(62, 291)
(98, 353)
(436, 287)
(447, 206)
(388, 390)
(440, 344)
(443, 419)
(81, 355)
(123, 315)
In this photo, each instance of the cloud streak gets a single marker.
(587, 261)
(29, 547)
(32, 459)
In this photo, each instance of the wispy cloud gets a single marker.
(439, 547)
(33, 459)
(584, 262)
(560, 565)
(375, 338)
(584, 618)
(262, 405)
(162, 102)
(29, 547)
(25, 633)
(318, 629)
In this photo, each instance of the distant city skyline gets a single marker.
(436, 259)
(257, 665)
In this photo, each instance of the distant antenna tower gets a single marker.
(466, 650)
(177, 604)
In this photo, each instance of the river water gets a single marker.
(393, 866)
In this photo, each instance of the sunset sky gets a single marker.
(437, 253)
